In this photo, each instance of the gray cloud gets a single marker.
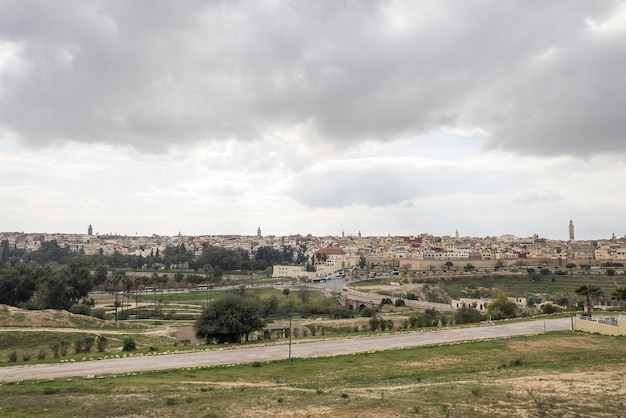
(153, 74)
(380, 186)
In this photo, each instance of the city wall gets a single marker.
(601, 326)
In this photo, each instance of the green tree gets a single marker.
(469, 267)
(589, 291)
(362, 262)
(468, 315)
(449, 265)
(100, 275)
(570, 267)
(6, 252)
(304, 295)
(115, 281)
(619, 295)
(502, 307)
(229, 320)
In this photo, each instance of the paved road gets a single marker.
(276, 351)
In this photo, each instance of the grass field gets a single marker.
(554, 375)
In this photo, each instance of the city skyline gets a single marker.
(389, 118)
(259, 233)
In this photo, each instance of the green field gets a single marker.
(553, 375)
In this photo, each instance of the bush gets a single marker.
(55, 348)
(129, 344)
(374, 324)
(41, 354)
(88, 342)
(468, 315)
(399, 302)
(549, 308)
(123, 315)
(101, 343)
(63, 347)
(13, 356)
(78, 346)
(80, 309)
(98, 313)
(366, 312)
(412, 296)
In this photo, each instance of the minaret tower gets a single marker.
(571, 230)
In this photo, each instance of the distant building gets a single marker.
(90, 230)
(258, 232)
(571, 230)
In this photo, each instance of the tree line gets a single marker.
(172, 257)
(55, 277)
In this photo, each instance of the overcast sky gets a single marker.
(385, 117)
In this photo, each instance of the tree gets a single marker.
(502, 308)
(6, 252)
(619, 295)
(100, 275)
(209, 273)
(570, 267)
(589, 291)
(362, 262)
(469, 267)
(304, 295)
(448, 265)
(115, 280)
(610, 272)
(467, 315)
(228, 320)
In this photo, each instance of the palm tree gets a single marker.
(154, 281)
(210, 275)
(619, 295)
(115, 281)
(137, 282)
(589, 291)
(127, 285)
(162, 284)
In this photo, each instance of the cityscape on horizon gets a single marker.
(417, 248)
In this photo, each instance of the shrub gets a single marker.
(129, 344)
(98, 313)
(399, 302)
(548, 308)
(25, 357)
(88, 342)
(366, 312)
(63, 347)
(101, 343)
(467, 315)
(412, 296)
(374, 324)
(55, 348)
(13, 356)
(80, 309)
(78, 346)
(41, 354)
(123, 315)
